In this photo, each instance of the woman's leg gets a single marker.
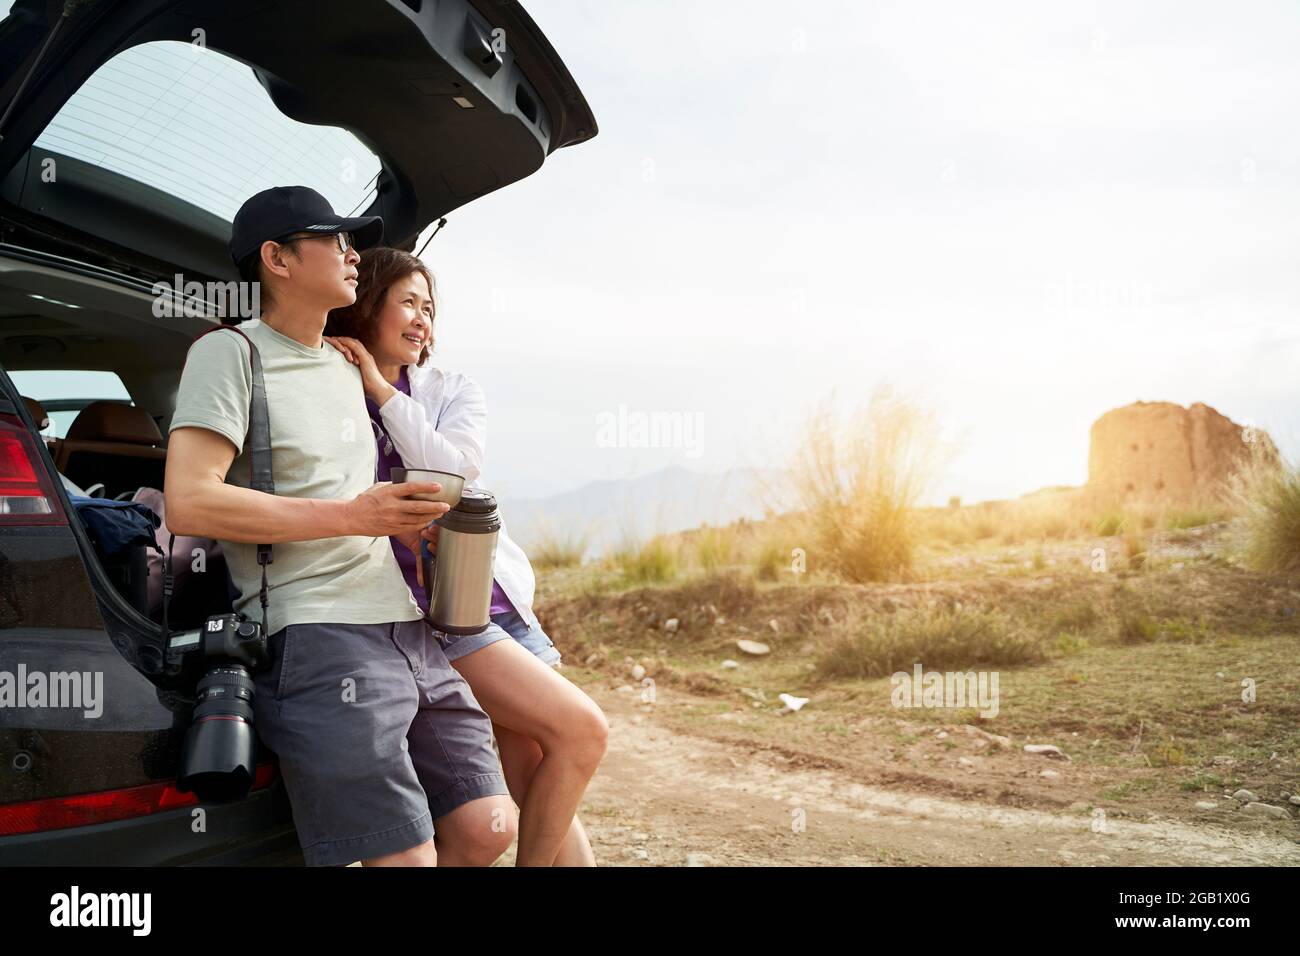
(520, 756)
(522, 694)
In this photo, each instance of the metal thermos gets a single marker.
(458, 579)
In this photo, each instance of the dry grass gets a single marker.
(554, 548)
(1267, 492)
(864, 479)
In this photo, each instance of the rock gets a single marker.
(1206, 805)
(1050, 774)
(791, 702)
(729, 665)
(965, 762)
(592, 660)
(1046, 750)
(637, 672)
(1245, 795)
(941, 734)
(1295, 800)
(757, 648)
(1079, 806)
(637, 853)
(719, 621)
(627, 689)
(1257, 809)
(1159, 451)
(773, 626)
(670, 625)
(698, 859)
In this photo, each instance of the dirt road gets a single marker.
(664, 798)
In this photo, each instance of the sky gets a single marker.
(1020, 215)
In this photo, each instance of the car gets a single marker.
(132, 131)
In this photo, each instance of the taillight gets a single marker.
(27, 496)
(85, 809)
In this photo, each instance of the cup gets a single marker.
(452, 485)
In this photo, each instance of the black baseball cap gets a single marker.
(275, 213)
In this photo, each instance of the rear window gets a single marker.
(68, 388)
(196, 124)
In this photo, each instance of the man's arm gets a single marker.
(200, 503)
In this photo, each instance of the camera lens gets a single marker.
(217, 757)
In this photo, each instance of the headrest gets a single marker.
(114, 422)
(38, 413)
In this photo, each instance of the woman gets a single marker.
(550, 734)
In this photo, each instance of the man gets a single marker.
(381, 743)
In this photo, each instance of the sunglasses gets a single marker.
(342, 239)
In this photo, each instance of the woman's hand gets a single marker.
(377, 389)
(413, 540)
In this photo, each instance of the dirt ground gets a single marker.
(667, 798)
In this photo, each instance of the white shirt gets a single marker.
(442, 426)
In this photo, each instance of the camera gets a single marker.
(220, 748)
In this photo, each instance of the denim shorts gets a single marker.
(378, 736)
(503, 626)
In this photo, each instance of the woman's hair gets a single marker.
(379, 268)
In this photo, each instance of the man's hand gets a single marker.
(384, 509)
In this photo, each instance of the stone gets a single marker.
(637, 672)
(773, 626)
(729, 664)
(670, 625)
(1257, 809)
(1245, 795)
(756, 648)
(1206, 805)
(1046, 750)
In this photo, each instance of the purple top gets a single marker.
(386, 461)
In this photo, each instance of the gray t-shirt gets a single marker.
(322, 446)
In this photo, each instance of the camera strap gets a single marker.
(258, 443)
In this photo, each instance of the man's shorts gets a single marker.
(501, 627)
(377, 734)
